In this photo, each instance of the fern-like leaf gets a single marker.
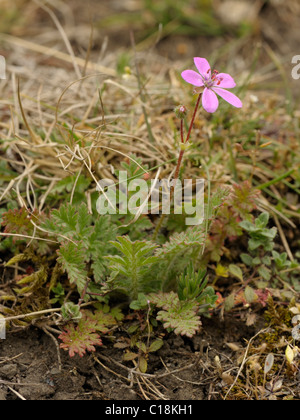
(175, 255)
(70, 221)
(76, 223)
(72, 259)
(179, 243)
(63, 220)
(131, 270)
(180, 316)
(100, 246)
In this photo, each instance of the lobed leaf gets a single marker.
(84, 336)
(179, 316)
(72, 259)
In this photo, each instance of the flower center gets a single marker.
(213, 80)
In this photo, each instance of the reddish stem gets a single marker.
(176, 174)
(178, 165)
(187, 137)
(193, 117)
(181, 131)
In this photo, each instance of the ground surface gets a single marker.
(202, 368)
(182, 369)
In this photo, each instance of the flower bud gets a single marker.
(181, 111)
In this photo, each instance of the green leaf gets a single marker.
(247, 259)
(266, 260)
(103, 320)
(132, 270)
(254, 244)
(229, 302)
(70, 311)
(180, 243)
(262, 220)
(140, 303)
(71, 221)
(264, 272)
(143, 364)
(117, 314)
(260, 235)
(246, 225)
(281, 260)
(256, 261)
(180, 316)
(141, 346)
(65, 218)
(236, 271)
(191, 284)
(99, 246)
(129, 356)
(67, 184)
(156, 345)
(72, 259)
(250, 295)
(84, 222)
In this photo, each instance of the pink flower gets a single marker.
(213, 83)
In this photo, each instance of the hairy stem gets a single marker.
(179, 162)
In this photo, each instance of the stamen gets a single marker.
(214, 75)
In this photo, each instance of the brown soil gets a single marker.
(201, 368)
(182, 369)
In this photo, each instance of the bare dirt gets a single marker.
(183, 369)
(201, 368)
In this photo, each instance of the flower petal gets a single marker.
(229, 97)
(209, 101)
(192, 77)
(226, 81)
(203, 67)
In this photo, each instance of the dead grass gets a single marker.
(66, 110)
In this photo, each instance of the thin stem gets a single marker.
(176, 175)
(179, 162)
(181, 154)
(193, 118)
(84, 292)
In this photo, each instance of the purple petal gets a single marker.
(226, 81)
(229, 97)
(192, 77)
(209, 101)
(202, 66)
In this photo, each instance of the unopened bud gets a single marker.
(181, 111)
